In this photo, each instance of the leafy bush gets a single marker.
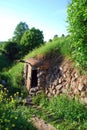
(77, 19)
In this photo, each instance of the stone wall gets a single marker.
(65, 79)
(61, 77)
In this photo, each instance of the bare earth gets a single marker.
(40, 124)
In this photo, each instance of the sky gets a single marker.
(47, 15)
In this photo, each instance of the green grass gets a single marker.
(62, 112)
(15, 79)
(60, 45)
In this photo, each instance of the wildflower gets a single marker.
(21, 94)
(13, 125)
(16, 118)
(5, 89)
(24, 101)
(17, 93)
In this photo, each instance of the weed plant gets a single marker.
(40, 99)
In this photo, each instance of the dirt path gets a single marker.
(40, 124)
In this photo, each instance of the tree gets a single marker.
(77, 19)
(32, 38)
(62, 35)
(50, 40)
(19, 31)
(55, 37)
(12, 50)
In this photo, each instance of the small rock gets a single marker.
(85, 100)
(54, 92)
(57, 92)
(58, 87)
(80, 87)
(49, 94)
(50, 90)
(60, 80)
(76, 91)
(83, 94)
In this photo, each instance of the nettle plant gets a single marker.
(77, 19)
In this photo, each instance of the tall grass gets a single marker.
(63, 112)
(60, 44)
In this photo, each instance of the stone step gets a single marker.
(35, 89)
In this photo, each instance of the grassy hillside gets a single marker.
(61, 45)
(63, 116)
(13, 74)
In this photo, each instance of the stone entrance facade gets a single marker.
(35, 74)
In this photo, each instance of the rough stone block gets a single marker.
(80, 87)
(58, 87)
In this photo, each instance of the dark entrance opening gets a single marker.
(34, 78)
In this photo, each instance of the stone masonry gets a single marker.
(61, 77)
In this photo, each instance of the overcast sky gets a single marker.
(47, 15)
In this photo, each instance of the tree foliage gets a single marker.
(19, 31)
(32, 38)
(12, 50)
(77, 19)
